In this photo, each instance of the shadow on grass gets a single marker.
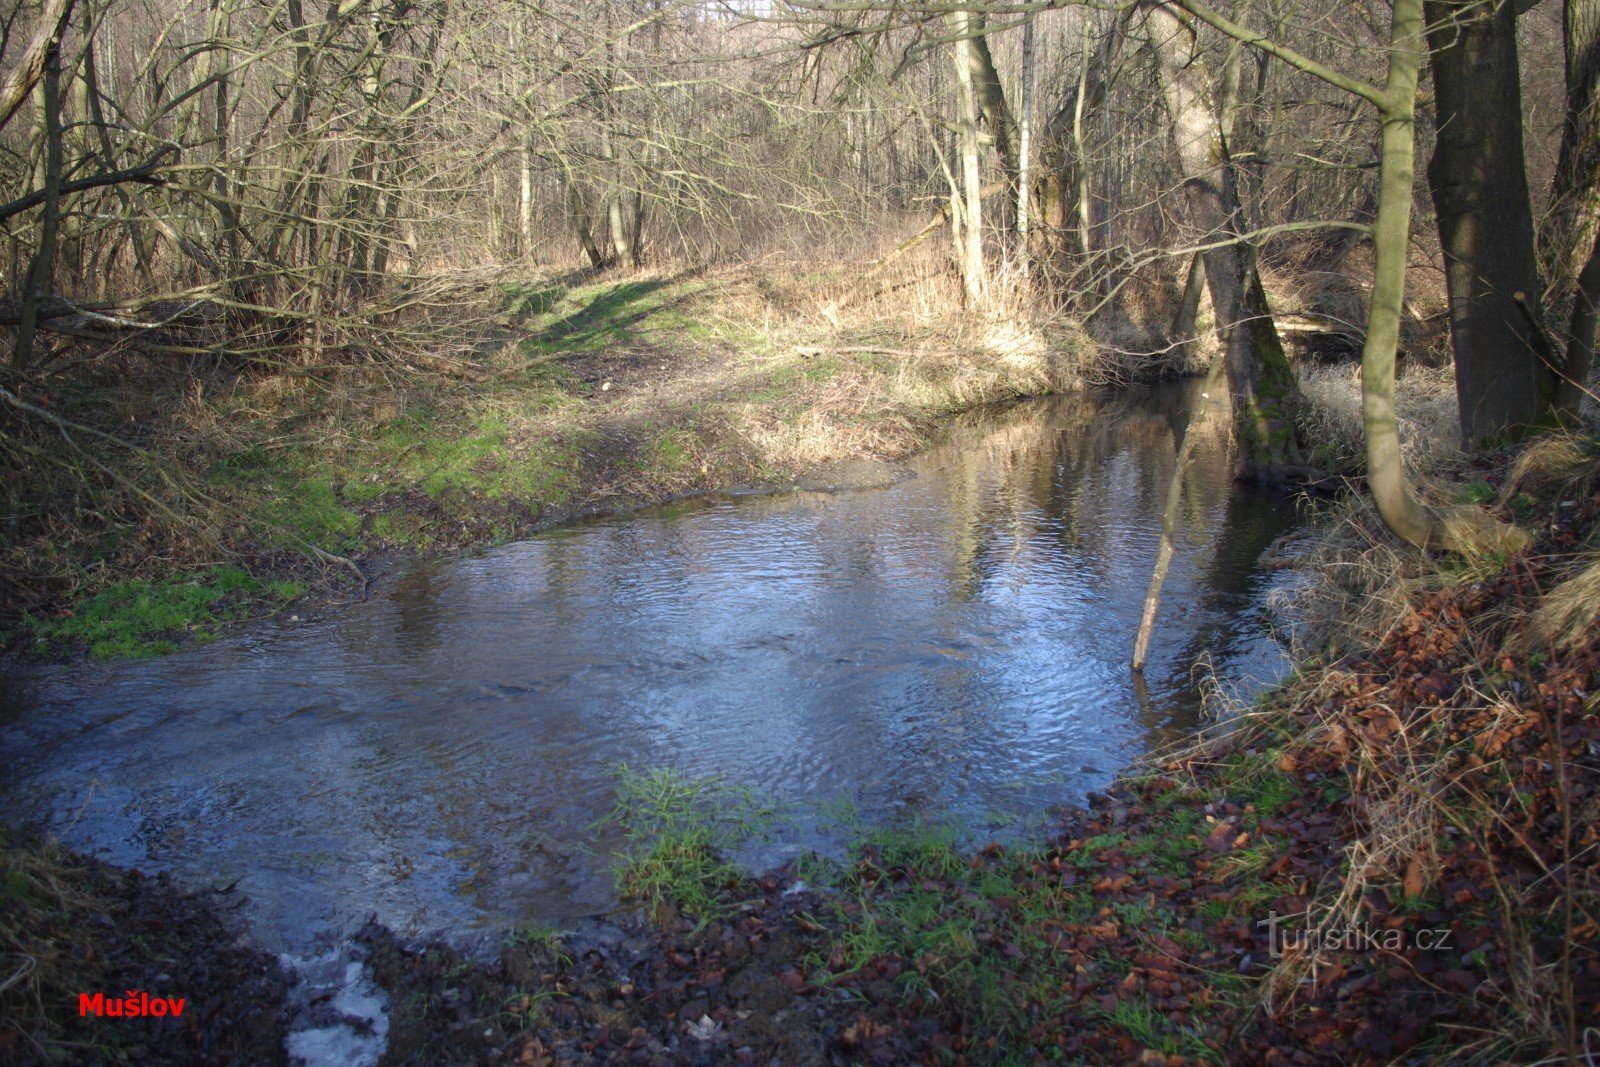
(577, 314)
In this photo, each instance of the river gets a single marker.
(953, 645)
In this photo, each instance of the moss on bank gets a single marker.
(142, 617)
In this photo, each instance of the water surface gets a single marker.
(954, 644)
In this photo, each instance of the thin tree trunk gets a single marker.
(974, 274)
(525, 200)
(1025, 140)
(38, 280)
(1572, 233)
(1169, 517)
(1079, 154)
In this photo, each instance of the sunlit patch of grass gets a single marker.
(587, 318)
(672, 452)
(140, 618)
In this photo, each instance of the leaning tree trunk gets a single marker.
(1182, 331)
(993, 108)
(1573, 223)
(1505, 379)
(1262, 385)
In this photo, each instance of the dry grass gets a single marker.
(1410, 765)
(587, 394)
(38, 973)
(1561, 469)
(1425, 403)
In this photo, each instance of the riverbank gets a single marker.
(1392, 856)
(248, 494)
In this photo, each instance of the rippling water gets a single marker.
(955, 643)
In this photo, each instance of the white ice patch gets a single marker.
(342, 1018)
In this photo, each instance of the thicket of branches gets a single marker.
(268, 184)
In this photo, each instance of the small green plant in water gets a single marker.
(678, 832)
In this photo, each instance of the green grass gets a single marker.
(138, 618)
(478, 459)
(1140, 1020)
(911, 910)
(541, 936)
(976, 934)
(673, 451)
(678, 831)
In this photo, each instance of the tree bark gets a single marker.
(1188, 314)
(525, 200)
(1505, 379)
(991, 97)
(1571, 238)
(18, 85)
(1080, 157)
(38, 280)
(1025, 139)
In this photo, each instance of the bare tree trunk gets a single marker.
(525, 200)
(38, 281)
(19, 83)
(1188, 314)
(617, 227)
(583, 227)
(1505, 379)
(974, 274)
(1469, 530)
(1079, 154)
(991, 97)
(1025, 140)
(1264, 390)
